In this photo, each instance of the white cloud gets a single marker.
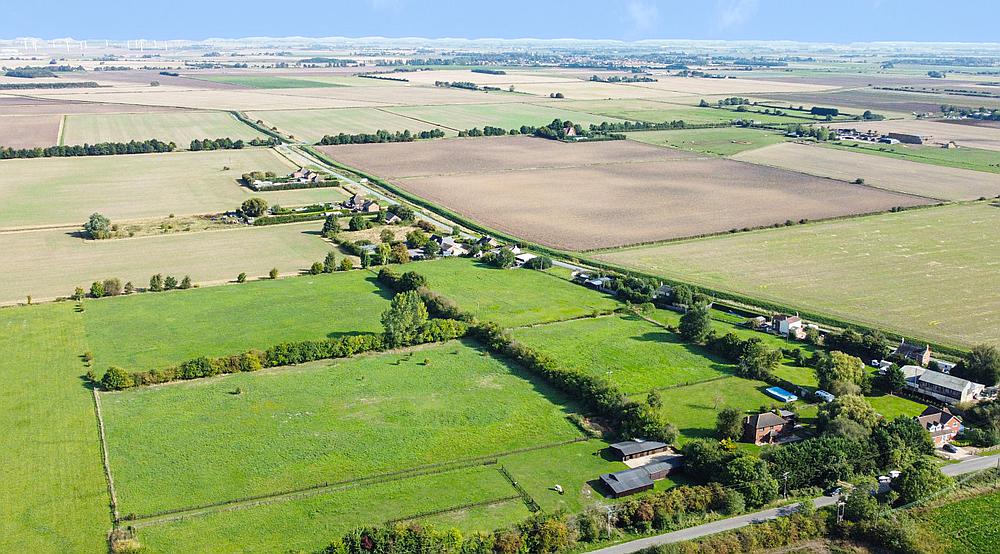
(641, 16)
(733, 13)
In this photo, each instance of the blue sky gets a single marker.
(800, 20)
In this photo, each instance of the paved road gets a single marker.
(729, 524)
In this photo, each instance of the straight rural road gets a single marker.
(730, 524)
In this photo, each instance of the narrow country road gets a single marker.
(729, 524)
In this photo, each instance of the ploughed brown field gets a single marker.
(606, 194)
(22, 131)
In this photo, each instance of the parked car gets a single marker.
(836, 491)
(948, 447)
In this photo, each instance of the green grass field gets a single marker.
(923, 273)
(378, 414)
(309, 524)
(252, 315)
(970, 526)
(512, 297)
(269, 81)
(892, 407)
(54, 497)
(721, 142)
(65, 191)
(311, 125)
(178, 127)
(507, 116)
(963, 158)
(634, 354)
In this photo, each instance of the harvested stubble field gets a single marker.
(50, 263)
(931, 181)
(638, 194)
(65, 191)
(720, 142)
(506, 116)
(882, 101)
(311, 125)
(939, 132)
(408, 95)
(29, 131)
(699, 85)
(282, 99)
(177, 127)
(925, 273)
(18, 105)
(379, 414)
(266, 81)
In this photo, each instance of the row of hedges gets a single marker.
(632, 419)
(100, 149)
(289, 218)
(287, 353)
(295, 186)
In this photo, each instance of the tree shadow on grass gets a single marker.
(380, 289)
(342, 334)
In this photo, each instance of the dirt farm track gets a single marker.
(590, 196)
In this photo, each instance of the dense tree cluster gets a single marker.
(230, 144)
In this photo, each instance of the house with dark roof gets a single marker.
(919, 354)
(942, 425)
(636, 448)
(765, 428)
(636, 480)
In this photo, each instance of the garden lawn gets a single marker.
(53, 496)
(874, 270)
(510, 297)
(219, 439)
(721, 142)
(310, 524)
(178, 127)
(891, 406)
(970, 526)
(161, 329)
(694, 408)
(632, 353)
(507, 116)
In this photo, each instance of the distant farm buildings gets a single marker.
(941, 386)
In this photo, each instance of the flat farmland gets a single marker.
(938, 132)
(588, 90)
(882, 101)
(16, 105)
(698, 85)
(50, 263)
(632, 353)
(181, 325)
(452, 75)
(267, 81)
(311, 125)
(26, 131)
(506, 116)
(720, 142)
(406, 95)
(970, 526)
(65, 191)
(576, 203)
(254, 99)
(378, 414)
(474, 155)
(931, 181)
(178, 127)
(876, 270)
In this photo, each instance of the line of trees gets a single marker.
(70, 84)
(100, 149)
(380, 136)
(230, 144)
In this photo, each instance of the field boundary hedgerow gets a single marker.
(105, 456)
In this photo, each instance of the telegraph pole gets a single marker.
(785, 477)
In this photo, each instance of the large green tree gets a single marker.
(921, 479)
(695, 323)
(97, 227)
(729, 424)
(752, 476)
(981, 365)
(404, 319)
(758, 361)
(254, 207)
(840, 368)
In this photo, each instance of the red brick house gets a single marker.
(765, 428)
(919, 354)
(941, 424)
